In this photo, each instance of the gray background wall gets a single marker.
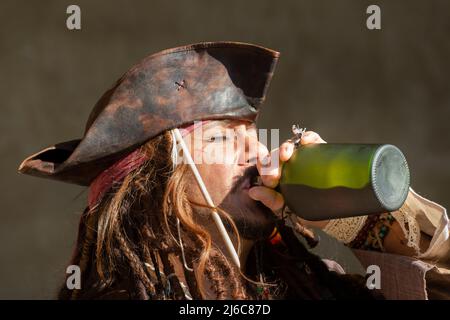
(335, 77)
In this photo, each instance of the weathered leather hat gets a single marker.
(174, 87)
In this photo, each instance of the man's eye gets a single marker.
(217, 138)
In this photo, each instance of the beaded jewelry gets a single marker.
(372, 235)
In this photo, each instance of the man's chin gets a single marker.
(255, 223)
(265, 223)
(253, 220)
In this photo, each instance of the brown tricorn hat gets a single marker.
(211, 80)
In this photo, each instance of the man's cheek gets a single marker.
(218, 182)
(224, 153)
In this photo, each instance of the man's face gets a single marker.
(225, 154)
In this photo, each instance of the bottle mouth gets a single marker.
(390, 177)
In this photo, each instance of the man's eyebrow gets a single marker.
(232, 124)
(211, 124)
(227, 124)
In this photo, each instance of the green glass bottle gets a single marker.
(329, 181)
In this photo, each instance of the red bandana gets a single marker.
(119, 170)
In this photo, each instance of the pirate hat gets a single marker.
(174, 87)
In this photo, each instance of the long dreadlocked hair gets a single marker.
(128, 245)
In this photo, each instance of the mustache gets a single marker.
(248, 175)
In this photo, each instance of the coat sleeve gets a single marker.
(417, 216)
(431, 219)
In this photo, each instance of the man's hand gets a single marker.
(271, 177)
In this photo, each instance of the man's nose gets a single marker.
(253, 149)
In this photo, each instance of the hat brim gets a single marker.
(51, 163)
